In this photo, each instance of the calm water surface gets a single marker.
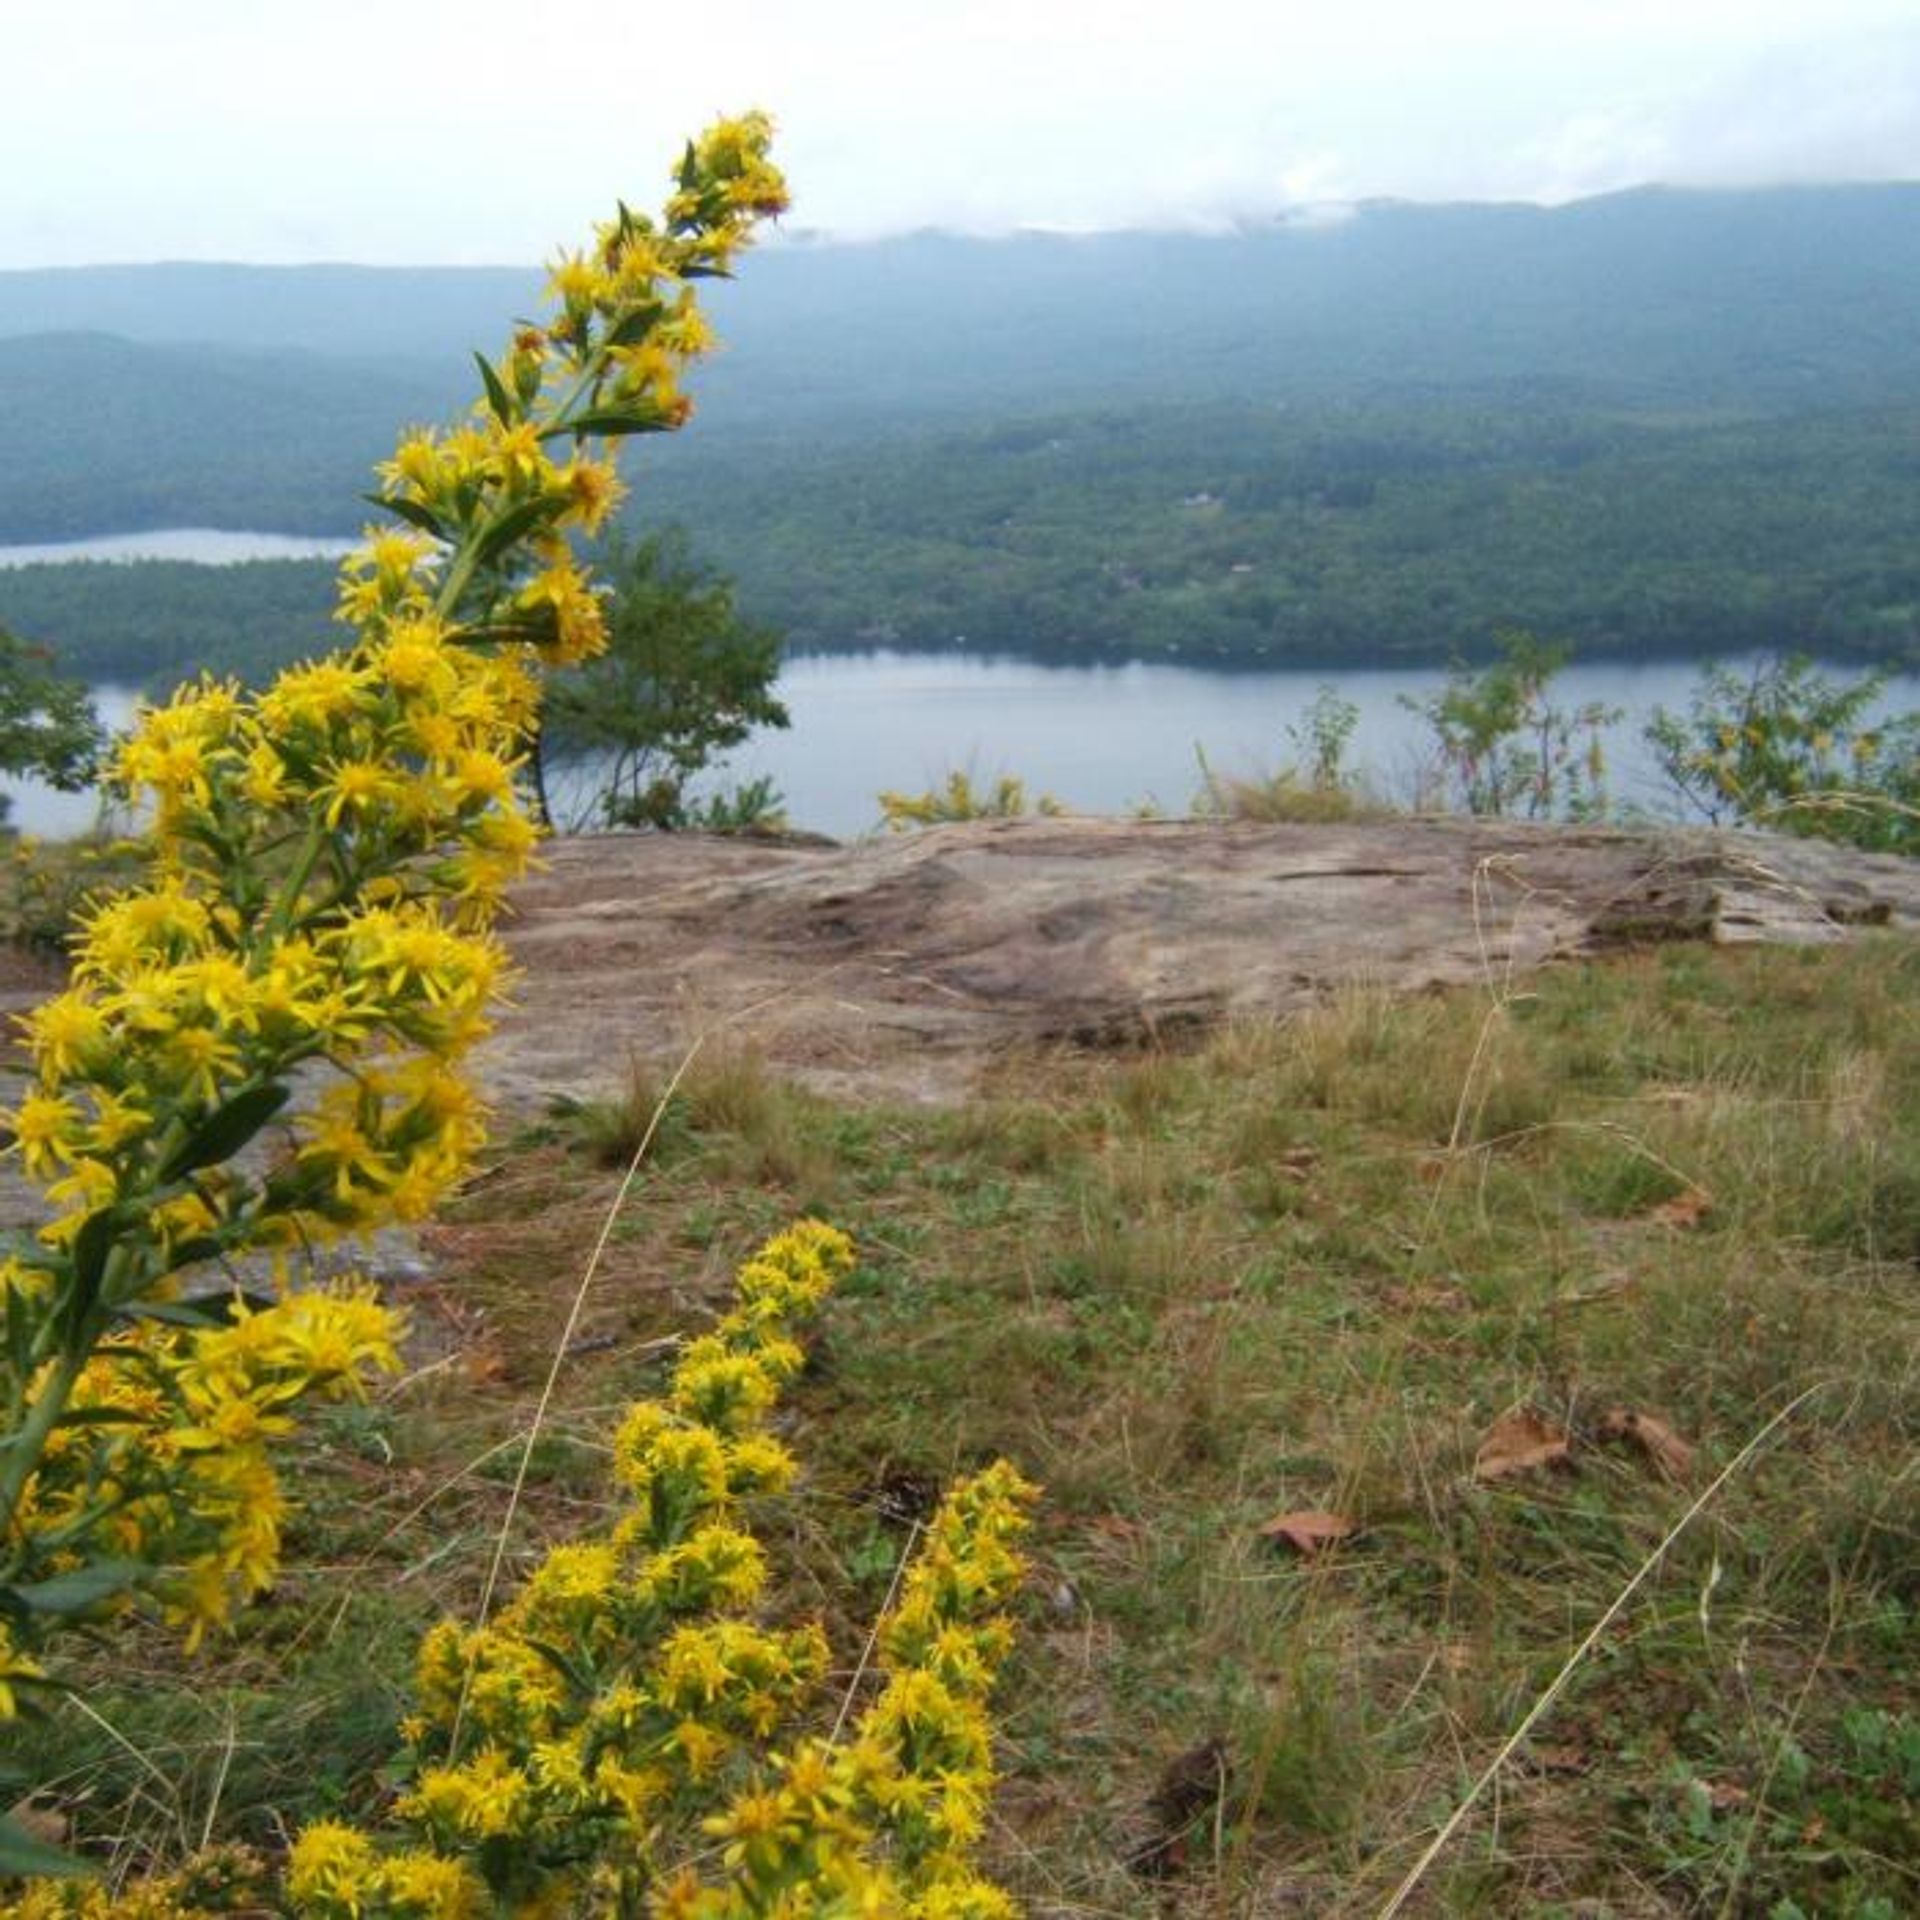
(1101, 739)
(1110, 739)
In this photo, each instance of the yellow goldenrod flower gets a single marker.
(46, 1128)
(66, 1034)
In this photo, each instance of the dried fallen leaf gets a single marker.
(1658, 1441)
(485, 1365)
(1519, 1442)
(1684, 1211)
(1439, 1296)
(45, 1824)
(1307, 1533)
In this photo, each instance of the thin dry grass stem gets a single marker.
(873, 1634)
(1499, 979)
(1376, 1390)
(1816, 1667)
(81, 1705)
(575, 1308)
(1553, 1689)
(419, 1508)
(227, 1747)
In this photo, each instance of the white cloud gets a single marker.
(474, 129)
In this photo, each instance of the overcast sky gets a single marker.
(478, 130)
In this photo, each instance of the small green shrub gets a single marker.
(960, 799)
(1788, 748)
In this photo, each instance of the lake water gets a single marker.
(1101, 739)
(1108, 739)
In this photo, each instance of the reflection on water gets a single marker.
(207, 546)
(1103, 739)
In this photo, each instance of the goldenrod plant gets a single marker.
(260, 1049)
(960, 799)
(607, 1744)
(619, 1739)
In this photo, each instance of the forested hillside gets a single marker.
(105, 434)
(1659, 421)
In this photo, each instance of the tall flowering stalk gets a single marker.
(622, 1717)
(261, 1047)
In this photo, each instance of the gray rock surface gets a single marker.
(900, 966)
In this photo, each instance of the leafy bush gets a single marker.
(684, 676)
(47, 723)
(1505, 748)
(961, 800)
(1788, 748)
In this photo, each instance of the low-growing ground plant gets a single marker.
(961, 799)
(1316, 787)
(628, 1735)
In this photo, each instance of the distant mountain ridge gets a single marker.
(1663, 421)
(1766, 297)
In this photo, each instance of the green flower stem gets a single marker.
(29, 1442)
(280, 921)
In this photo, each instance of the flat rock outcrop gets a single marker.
(901, 966)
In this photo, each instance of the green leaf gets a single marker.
(91, 1245)
(209, 1310)
(498, 397)
(614, 421)
(83, 1589)
(20, 1333)
(635, 324)
(562, 1665)
(515, 522)
(189, 1253)
(410, 511)
(100, 1417)
(25, 1856)
(227, 1129)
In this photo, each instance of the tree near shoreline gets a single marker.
(684, 676)
(48, 726)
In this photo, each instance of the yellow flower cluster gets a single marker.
(626, 1673)
(219, 1880)
(165, 1460)
(620, 1715)
(261, 1047)
(887, 1823)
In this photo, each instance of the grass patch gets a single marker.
(1306, 1267)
